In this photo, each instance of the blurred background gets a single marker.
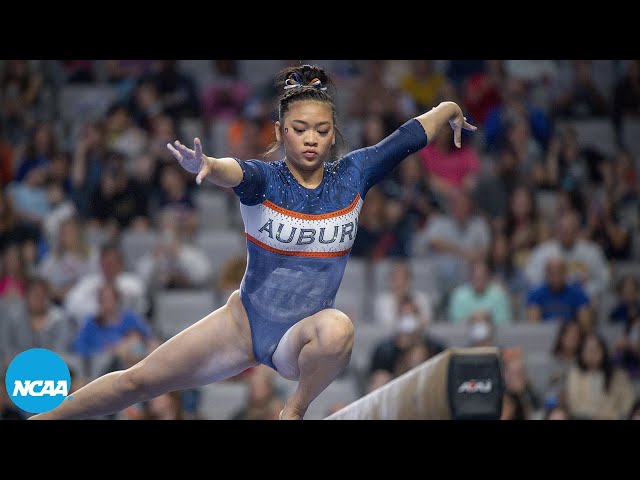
(526, 238)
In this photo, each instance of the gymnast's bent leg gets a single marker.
(314, 351)
(213, 349)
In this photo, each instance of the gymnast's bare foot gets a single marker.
(288, 414)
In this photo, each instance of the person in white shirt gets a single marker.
(82, 299)
(387, 303)
(585, 261)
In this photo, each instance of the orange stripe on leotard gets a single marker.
(297, 254)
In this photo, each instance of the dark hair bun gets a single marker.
(305, 75)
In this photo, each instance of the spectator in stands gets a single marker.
(249, 136)
(377, 236)
(595, 389)
(628, 306)
(411, 189)
(450, 168)
(558, 300)
(30, 200)
(114, 329)
(20, 93)
(482, 90)
(263, 401)
(13, 274)
(82, 299)
(10, 230)
(585, 261)
(626, 98)
(178, 92)
(493, 190)
(577, 94)
(88, 163)
(174, 263)
(387, 302)
(529, 154)
(605, 229)
(481, 330)
(162, 130)
(69, 259)
(505, 273)
(481, 299)
(565, 165)
(60, 171)
(39, 150)
(372, 94)
(225, 96)
(40, 324)
(523, 225)
(516, 380)
(119, 198)
(61, 209)
(409, 342)
(422, 84)
(564, 355)
(146, 103)
(122, 133)
(626, 354)
(175, 195)
(453, 240)
(514, 106)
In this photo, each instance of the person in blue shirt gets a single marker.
(110, 326)
(558, 300)
(300, 216)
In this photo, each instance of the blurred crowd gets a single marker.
(534, 220)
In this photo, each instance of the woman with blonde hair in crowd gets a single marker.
(70, 259)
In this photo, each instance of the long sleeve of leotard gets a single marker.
(372, 164)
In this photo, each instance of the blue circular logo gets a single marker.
(38, 380)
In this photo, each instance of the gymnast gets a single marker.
(300, 217)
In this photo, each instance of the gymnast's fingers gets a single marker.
(174, 152)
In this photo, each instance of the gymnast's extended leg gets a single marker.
(213, 349)
(314, 351)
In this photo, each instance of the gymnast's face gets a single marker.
(308, 133)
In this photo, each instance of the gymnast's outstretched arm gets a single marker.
(224, 172)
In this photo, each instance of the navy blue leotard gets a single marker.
(299, 239)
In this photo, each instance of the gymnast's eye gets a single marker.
(323, 132)
(298, 130)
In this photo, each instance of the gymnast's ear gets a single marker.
(278, 133)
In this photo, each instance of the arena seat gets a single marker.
(221, 400)
(175, 310)
(213, 209)
(221, 245)
(136, 244)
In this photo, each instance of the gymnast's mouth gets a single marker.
(310, 153)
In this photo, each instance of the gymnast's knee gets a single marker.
(335, 333)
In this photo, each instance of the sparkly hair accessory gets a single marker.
(294, 81)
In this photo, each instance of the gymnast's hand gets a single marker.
(459, 122)
(192, 161)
